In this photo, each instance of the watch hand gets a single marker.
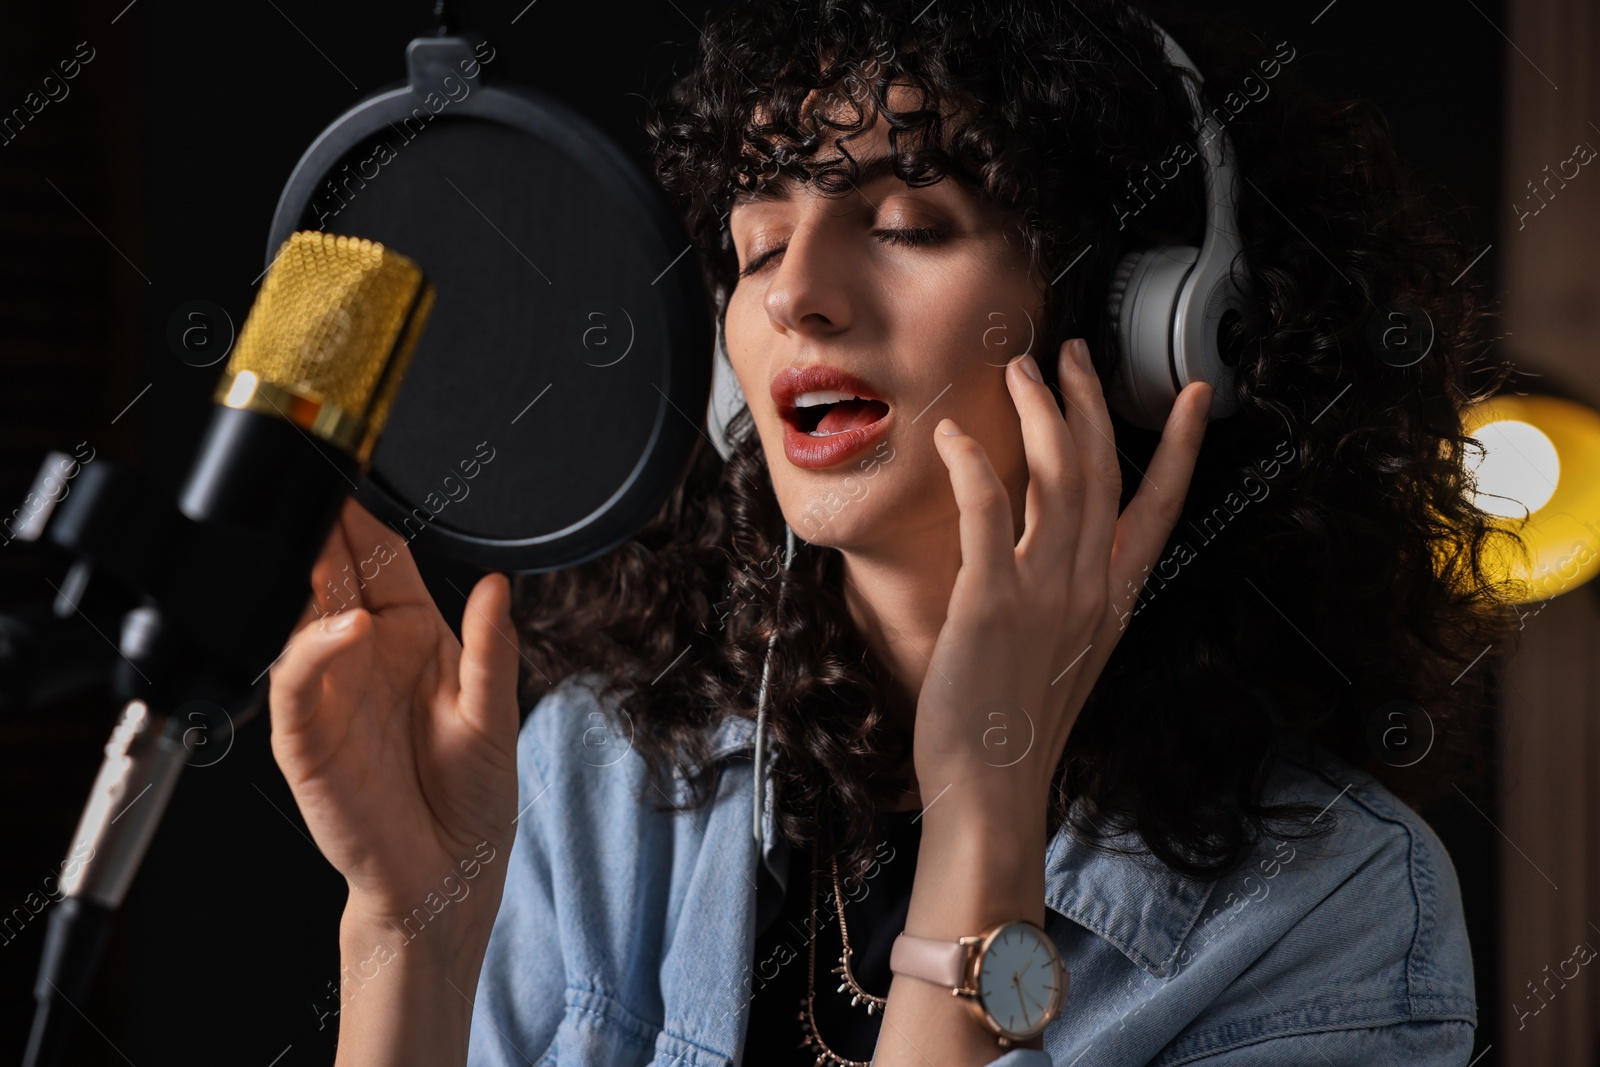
(1022, 998)
(1023, 994)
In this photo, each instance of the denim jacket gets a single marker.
(626, 932)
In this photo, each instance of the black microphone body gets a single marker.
(223, 574)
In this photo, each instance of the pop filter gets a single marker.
(555, 397)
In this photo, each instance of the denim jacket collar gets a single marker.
(1135, 902)
(730, 736)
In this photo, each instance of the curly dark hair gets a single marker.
(1329, 563)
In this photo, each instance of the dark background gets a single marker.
(152, 184)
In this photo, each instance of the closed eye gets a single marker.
(915, 235)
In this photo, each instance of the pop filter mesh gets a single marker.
(532, 395)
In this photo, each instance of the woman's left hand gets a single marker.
(1031, 622)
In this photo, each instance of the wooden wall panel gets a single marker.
(1550, 787)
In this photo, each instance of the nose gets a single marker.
(809, 291)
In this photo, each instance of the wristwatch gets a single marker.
(1010, 974)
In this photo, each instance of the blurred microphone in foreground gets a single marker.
(222, 576)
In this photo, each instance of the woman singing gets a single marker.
(984, 705)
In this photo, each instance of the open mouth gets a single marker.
(826, 412)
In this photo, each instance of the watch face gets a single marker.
(1020, 979)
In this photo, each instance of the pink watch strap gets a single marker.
(941, 962)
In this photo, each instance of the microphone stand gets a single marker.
(189, 673)
(143, 759)
(146, 753)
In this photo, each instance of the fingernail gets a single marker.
(341, 621)
(1029, 366)
(949, 428)
(1080, 353)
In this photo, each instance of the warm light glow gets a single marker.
(243, 387)
(1542, 452)
(1518, 469)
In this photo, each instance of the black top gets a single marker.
(874, 912)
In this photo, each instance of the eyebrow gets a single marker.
(782, 187)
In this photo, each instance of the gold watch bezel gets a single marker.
(971, 992)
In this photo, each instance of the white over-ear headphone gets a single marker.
(1166, 305)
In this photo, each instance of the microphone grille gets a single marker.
(327, 341)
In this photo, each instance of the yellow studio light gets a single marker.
(1539, 478)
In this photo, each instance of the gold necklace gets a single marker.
(811, 1039)
(843, 970)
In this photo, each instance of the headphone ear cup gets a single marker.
(1140, 305)
(725, 401)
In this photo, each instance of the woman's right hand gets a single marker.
(398, 742)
